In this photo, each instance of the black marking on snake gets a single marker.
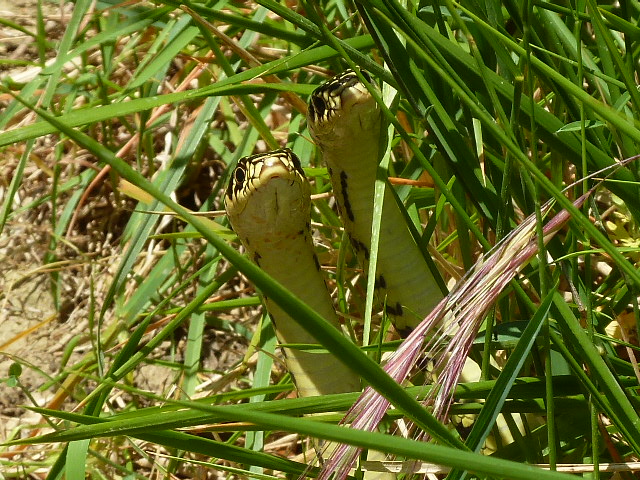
(404, 332)
(345, 195)
(380, 282)
(396, 310)
(316, 261)
(256, 258)
(340, 82)
(358, 246)
(317, 107)
(296, 163)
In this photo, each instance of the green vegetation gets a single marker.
(145, 110)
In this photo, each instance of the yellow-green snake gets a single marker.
(346, 123)
(268, 204)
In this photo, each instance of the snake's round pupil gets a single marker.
(240, 175)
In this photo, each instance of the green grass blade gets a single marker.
(619, 407)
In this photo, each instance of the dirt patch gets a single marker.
(28, 336)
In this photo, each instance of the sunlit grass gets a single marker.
(501, 106)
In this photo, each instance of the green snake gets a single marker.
(346, 123)
(268, 205)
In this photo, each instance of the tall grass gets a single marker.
(501, 106)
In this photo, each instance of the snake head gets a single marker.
(268, 193)
(343, 110)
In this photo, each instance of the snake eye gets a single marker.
(296, 164)
(318, 107)
(366, 76)
(239, 175)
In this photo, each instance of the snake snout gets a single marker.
(356, 94)
(273, 167)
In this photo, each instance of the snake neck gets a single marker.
(293, 263)
(403, 281)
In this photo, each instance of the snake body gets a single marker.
(346, 123)
(268, 205)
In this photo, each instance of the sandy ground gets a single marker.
(28, 320)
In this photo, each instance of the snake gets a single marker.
(268, 206)
(345, 121)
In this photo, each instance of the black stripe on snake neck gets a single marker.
(346, 123)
